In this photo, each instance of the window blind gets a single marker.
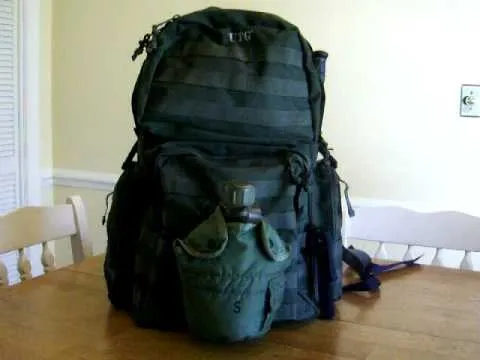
(9, 119)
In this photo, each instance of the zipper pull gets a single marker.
(149, 41)
(152, 45)
(142, 45)
(104, 217)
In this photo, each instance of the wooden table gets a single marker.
(421, 313)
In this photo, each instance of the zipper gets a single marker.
(296, 164)
(188, 148)
(149, 40)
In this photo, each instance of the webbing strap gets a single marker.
(319, 268)
(351, 211)
(368, 271)
(131, 154)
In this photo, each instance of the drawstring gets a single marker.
(351, 211)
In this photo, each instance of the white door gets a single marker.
(10, 177)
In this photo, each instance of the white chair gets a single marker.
(32, 225)
(441, 231)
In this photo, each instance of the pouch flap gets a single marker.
(209, 239)
(273, 244)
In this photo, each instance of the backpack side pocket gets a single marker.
(157, 300)
(123, 225)
(330, 207)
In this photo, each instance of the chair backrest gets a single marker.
(441, 230)
(33, 225)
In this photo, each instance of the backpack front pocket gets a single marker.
(193, 178)
(233, 280)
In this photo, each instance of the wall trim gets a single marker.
(47, 177)
(93, 180)
(104, 181)
(362, 202)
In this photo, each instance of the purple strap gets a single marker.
(362, 264)
(370, 283)
(378, 269)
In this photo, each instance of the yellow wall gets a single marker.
(393, 82)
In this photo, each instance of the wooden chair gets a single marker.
(33, 225)
(440, 231)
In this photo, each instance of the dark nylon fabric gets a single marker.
(329, 211)
(156, 292)
(228, 81)
(267, 97)
(275, 69)
(233, 98)
(183, 207)
(282, 49)
(204, 112)
(123, 226)
(144, 80)
(201, 179)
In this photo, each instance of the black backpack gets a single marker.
(228, 222)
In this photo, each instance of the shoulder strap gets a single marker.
(367, 270)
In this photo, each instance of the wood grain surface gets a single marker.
(420, 313)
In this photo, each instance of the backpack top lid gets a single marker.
(239, 19)
(228, 75)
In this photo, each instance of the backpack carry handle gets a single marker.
(319, 60)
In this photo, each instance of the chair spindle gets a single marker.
(408, 254)
(381, 252)
(24, 266)
(47, 259)
(438, 257)
(3, 274)
(467, 261)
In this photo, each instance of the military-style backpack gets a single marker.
(228, 222)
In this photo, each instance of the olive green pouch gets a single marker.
(233, 278)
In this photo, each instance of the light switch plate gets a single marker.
(470, 101)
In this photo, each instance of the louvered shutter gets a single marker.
(9, 119)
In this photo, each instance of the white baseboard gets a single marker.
(84, 179)
(47, 177)
(104, 181)
(359, 202)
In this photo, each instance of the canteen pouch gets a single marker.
(233, 278)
